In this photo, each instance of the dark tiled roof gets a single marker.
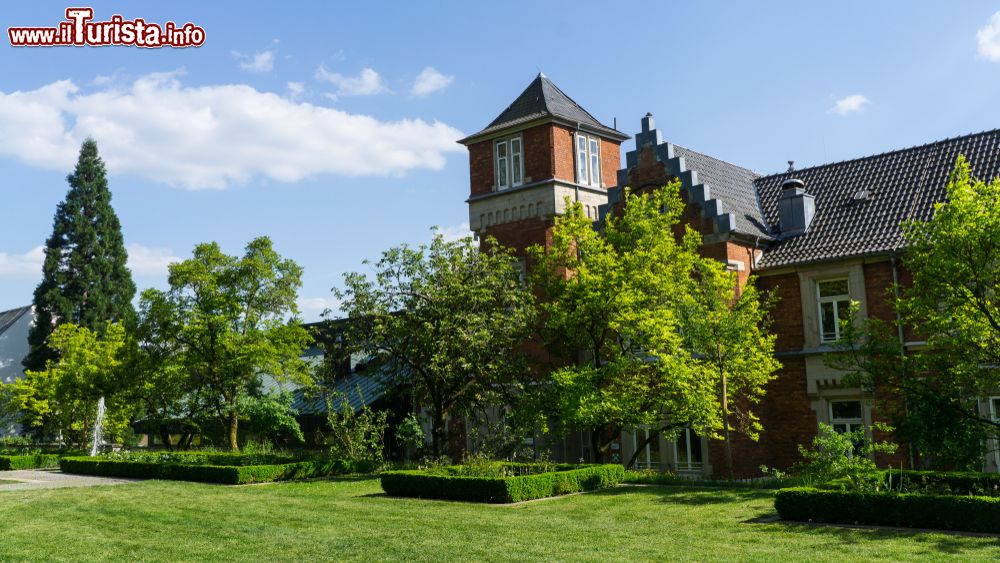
(901, 185)
(733, 185)
(8, 318)
(543, 99)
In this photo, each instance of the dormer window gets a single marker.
(588, 160)
(509, 162)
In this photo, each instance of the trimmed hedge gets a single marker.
(37, 461)
(943, 512)
(930, 482)
(571, 479)
(222, 474)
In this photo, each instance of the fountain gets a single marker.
(98, 428)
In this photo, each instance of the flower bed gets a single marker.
(913, 510)
(515, 482)
(36, 461)
(227, 469)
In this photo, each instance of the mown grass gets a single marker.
(351, 519)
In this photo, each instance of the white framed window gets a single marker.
(687, 451)
(994, 404)
(649, 454)
(508, 156)
(845, 416)
(834, 301)
(588, 160)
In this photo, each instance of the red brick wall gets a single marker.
(537, 147)
(611, 161)
(481, 172)
(562, 157)
(519, 235)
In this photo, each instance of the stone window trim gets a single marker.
(809, 280)
(508, 162)
(833, 302)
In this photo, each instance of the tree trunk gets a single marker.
(653, 435)
(234, 424)
(725, 425)
(437, 434)
(165, 438)
(595, 445)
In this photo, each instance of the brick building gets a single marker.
(819, 237)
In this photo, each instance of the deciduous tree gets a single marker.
(444, 321)
(230, 320)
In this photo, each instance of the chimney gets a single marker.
(796, 208)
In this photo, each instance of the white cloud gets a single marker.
(455, 232)
(147, 261)
(367, 83)
(144, 261)
(316, 306)
(850, 104)
(27, 266)
(295, 90)
(262, 61)
(429, 81)
(988, 39)
(212, 136)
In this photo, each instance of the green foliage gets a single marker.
(85, 280)
(223, 323)
(847, 455)
(659, 325)
(944, 512)
(410, 433)
(270, 418)
(928, 482)
(938, 418)
(223, 474)
(442, 321)
(359, 436)
(36, 461)
(62, 399)
(501, 489)
(953, 303)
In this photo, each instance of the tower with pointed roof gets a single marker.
(541, 150)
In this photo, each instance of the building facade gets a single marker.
(818, 238)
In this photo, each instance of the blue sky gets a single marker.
(330, 127)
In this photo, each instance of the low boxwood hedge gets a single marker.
(437, 485)
(223, 474)
(944, 512)
(36, 461)
(928, 482)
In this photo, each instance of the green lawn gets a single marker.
(352, 519)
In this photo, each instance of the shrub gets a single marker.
(223, 474)
(836, 455)
(36, 461)
(527, 486)
(945, 512)
(928, 482)
(356, 436)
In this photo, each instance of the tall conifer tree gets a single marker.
(85, 279)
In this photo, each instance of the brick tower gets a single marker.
(540, 150)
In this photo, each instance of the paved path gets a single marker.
(40, 479)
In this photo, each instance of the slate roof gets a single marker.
(543, 99)
(8, 318)
(902, 184)
(733, 185)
